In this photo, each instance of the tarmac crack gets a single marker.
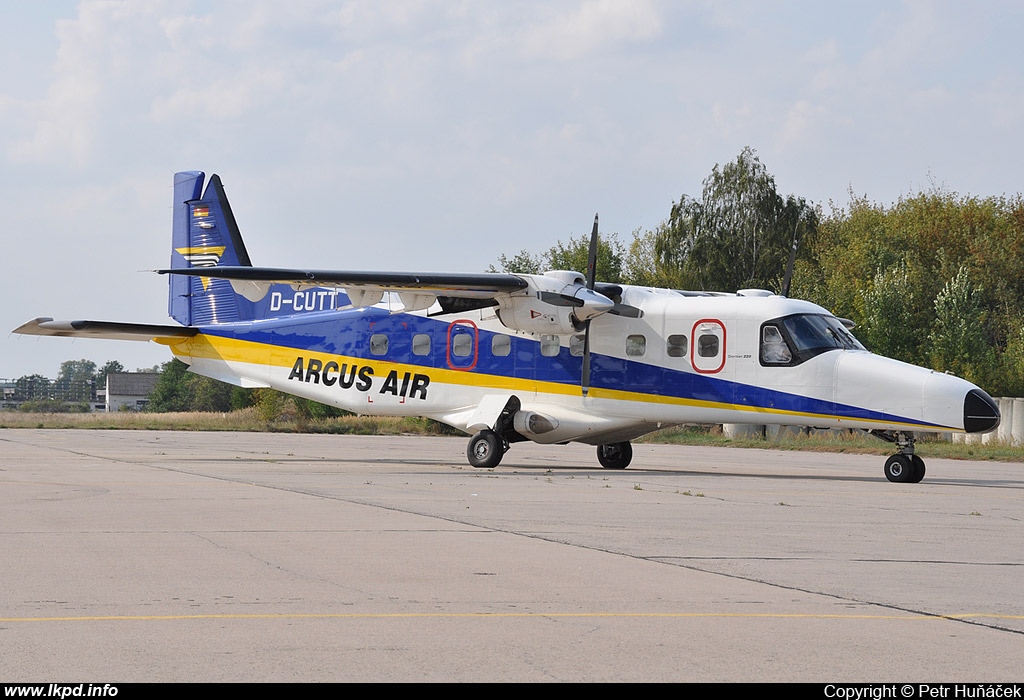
(554, 540)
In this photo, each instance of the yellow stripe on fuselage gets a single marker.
(264, 354)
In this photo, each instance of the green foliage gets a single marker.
(738, 235)
(111, 367)
(524, 262)
(314, 410)
(179, 390)
(171, 391)
(428, 426)
(570, 256)
(75, 382)
(888, 326)
(935, 279)
(640, 265)
(958, 342)
(574, 255)
(53, 406)
(269, 404)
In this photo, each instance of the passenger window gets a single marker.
(501, 345)
(462, 344)
(421, 344)
(378, 344)
(774, 350)
(677, 346)
(549, 345)
(636, 345)
(707, 345)
(576, 344)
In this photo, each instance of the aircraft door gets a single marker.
(463, 345)
(707, 346)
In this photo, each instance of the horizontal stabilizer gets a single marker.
(103, 329)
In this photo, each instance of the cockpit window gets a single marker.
(803, 336)
(774, 350)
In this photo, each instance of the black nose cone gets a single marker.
(980, 412)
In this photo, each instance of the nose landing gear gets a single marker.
(903, 467)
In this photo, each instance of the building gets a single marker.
(129, 391)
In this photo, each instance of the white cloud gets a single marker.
(593, 26)
(457, 131)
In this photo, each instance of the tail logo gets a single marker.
(205, 256)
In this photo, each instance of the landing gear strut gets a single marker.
(904, 466)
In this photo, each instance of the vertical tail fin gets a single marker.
(205, 234)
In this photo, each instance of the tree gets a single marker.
(738, 235)
(111, 367)
(170, 394)
(574, 256)
(888, 326)
(76, 381)
(523, 262)
(935, 279)
(177, 390)
(957, 338)
(569, 256)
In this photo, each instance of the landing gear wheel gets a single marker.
(918, 465)
(900, 469)
(617, 455)
(485, 449)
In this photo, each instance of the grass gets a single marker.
(853, 442)
(245, 420)
(248, 420)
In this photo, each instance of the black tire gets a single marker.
(918, 465)
(616, 455)
(485, 450)
(900, 469)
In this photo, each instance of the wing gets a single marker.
(417, 290)
(473, 286)
(103, 329)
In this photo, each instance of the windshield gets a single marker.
(805, 335)
(812, 332)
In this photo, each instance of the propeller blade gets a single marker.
(556, 299)
(789, 266)
(592, 257)
(591, 281)
(627, 311)
(585, 378)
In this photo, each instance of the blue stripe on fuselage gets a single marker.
(347, 333)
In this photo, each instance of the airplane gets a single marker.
(553, 358)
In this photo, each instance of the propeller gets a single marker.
(607, 292)
(590, 301)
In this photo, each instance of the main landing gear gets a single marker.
(486, 448)
(903, 467)
(617, 455)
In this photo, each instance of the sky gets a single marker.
(435, 136)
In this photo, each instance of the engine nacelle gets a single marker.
(557, 303)
(532, 315)
(530, 423)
